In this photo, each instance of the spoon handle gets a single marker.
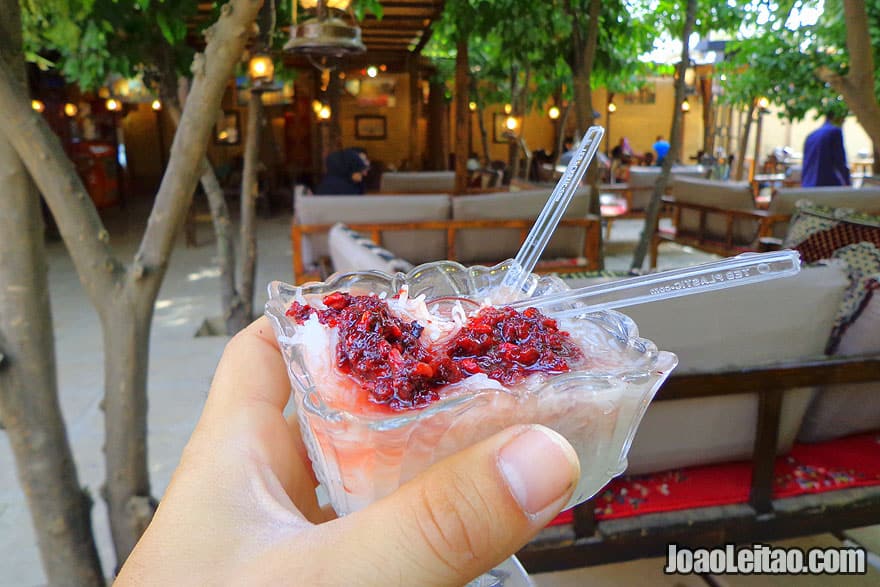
(743, 269)
(545, 225)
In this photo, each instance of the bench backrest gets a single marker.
(718, 194)
(411, 182)
(643, 178)
(416, 246)
(865, 199)
(480, 245)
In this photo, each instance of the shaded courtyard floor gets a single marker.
(180, 371)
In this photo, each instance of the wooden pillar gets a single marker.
(436, 124)
(462, 116)
(415, 103)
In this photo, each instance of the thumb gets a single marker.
(462, 517)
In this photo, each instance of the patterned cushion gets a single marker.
(818, 231)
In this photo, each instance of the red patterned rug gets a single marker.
(853, 461)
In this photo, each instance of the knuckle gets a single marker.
(453, 521)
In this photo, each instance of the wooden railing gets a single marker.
(763, 220)
(590, 224)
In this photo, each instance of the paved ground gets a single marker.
(176, 394)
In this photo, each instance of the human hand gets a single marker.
(241, 507)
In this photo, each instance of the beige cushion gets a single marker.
(842, 410)
(416, 246)
(866, 199)
(352, 251)
(485, 245)
(719, 194)
(780, 320)
(410, 182)
(641, 178)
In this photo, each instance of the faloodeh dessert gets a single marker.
(388, 381)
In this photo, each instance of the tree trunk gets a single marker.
(436, 130)
(560, 132)
(225, 246)
(60, 509)
(250, 190)
(709, 115)
(462, 114)
(334, 125)
(415, 102)
(484, 134)
(857, 86)
(675, 139)
(229, 300)
(126, 331)
(744, 142)
(111, 286)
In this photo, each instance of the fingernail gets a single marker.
(540, 468)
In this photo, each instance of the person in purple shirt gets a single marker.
(824, 156)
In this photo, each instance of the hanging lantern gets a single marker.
(324, 113)
(612, 107)
(472, 106)
(554, 113)
(71, 110)
(685, 106)
(325, 35)
(156, 105)
(511, 123)
(261, 71)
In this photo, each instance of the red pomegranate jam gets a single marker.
(387, 358)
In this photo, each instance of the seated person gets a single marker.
(345, 173)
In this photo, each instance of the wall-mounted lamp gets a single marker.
(325, 113)
(71, 110)
(554, 113)
(685, 106)
(612, 107)
(38, 106)
(261, 71)
(511, 123)
(472, 106)
(763, 104)
(156, 105)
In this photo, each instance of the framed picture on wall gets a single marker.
(370, 127)
(227, 130)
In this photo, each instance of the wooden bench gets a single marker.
(703, 239)
(591, 225)
(587, 542)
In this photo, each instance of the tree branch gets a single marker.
(211, 72)
(40, 150)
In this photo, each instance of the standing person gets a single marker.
(661, 147)
(345, 174)
(824, 155)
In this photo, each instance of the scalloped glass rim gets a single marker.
(472, 282)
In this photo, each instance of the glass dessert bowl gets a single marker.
(362, 450)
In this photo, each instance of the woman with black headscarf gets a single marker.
(345, 174)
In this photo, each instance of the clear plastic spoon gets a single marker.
(743, 269)
(545, 225)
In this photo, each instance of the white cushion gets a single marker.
(417, 246)
(780, 320)
(352, 251)
(842, 410)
